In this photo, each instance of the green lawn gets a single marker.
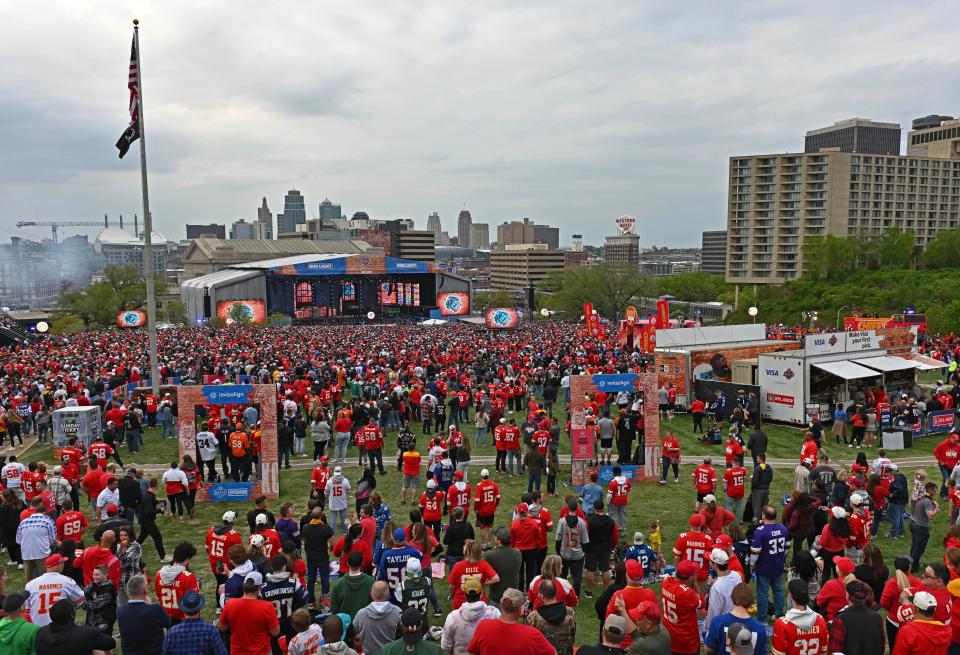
(671, 504)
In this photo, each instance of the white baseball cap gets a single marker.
(255, 577)
(924, 601)
(709, 498)
(257, 540)
(230, 516)
(856, 499)
(839, 512)
(484, 473)
(262, 519)
(431, 484)
(719, 556)
(337, 470)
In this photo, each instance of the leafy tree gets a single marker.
(827, 257)
(67, 324)
(122, 287)
(174, 312)
(943, 251)
(496, 298)
(695, 287)
(610, 287)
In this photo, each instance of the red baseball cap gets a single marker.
(111, 508)
(646, 610)
(844, 564)
(458, 475)
(634, 569)
(523, 508)
(54, 561)
(723, 541)
(696, 521)
(687, 569)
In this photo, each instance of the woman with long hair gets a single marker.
(833, 539)
(129, 553)
(423, 540)
(383, 543)
(890, 598)
(9, 522)
(552, 566)
(873, 570)
(809, 569)
(860, 467)
(841, 490)
(349, 543)
(797, 517)
(839, 428)
(474, 566)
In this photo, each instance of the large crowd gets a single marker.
(516, 575)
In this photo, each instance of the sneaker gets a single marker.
(437, 613)
(10, 563)
(676, 479)
(850, 446)
(19, 567)
(588, 594)
(663, 482)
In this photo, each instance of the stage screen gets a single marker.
(502, 318)
(405, 294)
(254, 309)
(131, 318)
(453, 303)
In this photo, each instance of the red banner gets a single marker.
(663, 313)
(631, 315)
(592, 320)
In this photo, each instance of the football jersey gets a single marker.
(286, 594)
(320, 476)
(170, 595)
(13, 472)
(619, 491)
(70, 525)
(704, 478)
(788, 639)
(643, 554)
(416, 593)
(860, 525)
(207, 444)
(217, 546)
(695, 546)
(735, 481)
(542, 439)
(431, 508)
(337, 492)
(47, 590)
(101, 451)
(307, 642)
(457, 497)
(487, 498)
(680, 604)
(393, 565)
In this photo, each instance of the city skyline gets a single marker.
(670, 100)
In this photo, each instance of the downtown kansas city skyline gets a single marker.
(567, 112)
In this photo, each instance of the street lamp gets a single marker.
(753, 311)
(838, 314)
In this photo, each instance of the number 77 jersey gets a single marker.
(802, 634)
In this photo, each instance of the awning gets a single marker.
(925, 363)
(885, 363)
(846, 370)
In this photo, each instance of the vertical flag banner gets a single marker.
(631, 314)
(663, 313)
(132, 133)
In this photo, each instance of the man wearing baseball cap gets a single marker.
(645, 628)
(681, 602)
(413, 625)
(695, 546)
(393, 563)
(524, 533)
(715, 518)
(506, 635)
(720, 601)
(16, 633)
(858, 629)
(218, 541)
(250, 621)
(631, 595)
(46, 589)
(741, 640)
(924, 634)
(485, 503)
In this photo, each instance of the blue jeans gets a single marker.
(945, 472)
(394, 421)
(763, 590)
(513, 455)
(168, 430)
(481, 436)
(735, 506)
(43, 431)
(283, 453)
(338, 516)
(895, 512)
(299, 441)
(323, 568)
(134, 439)
(340, 446)
(533, 481)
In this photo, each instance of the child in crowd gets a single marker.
(100, 601)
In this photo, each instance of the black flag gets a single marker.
(132, 133)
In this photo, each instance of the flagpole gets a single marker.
(147, 226)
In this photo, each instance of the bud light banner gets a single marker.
(131, 318)
(453, 303)
(502, 318)
(222, 492)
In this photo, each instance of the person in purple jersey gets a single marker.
(768, 557)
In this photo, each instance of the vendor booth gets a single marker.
(834, 368)
(685, 355)
(80, 422)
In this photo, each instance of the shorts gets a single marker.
(606, 444)
(701, 496)
(597, 562)
(664, 407)
(484, 521)
(411, 481)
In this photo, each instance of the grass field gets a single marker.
(671, 504)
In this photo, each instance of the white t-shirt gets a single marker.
(207, 443)
(105, 498)
(337, 493)
(12, 472)
(45, 591)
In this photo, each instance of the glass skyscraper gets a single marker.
(294, 212)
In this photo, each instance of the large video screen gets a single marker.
(502, 318)
(404, 294)
(254, 310)
(453, 303)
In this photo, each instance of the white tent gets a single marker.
(434, 321)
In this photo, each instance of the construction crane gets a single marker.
(53, 225)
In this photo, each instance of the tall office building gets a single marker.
(713, 252)
(777, 200)
(243, 230)
(576, 243)
(856, 135)
(521, 265)
(547, 234)
(623, 248)
(433, 224)
(934, 139)
(480, 236)
(264, 224)
(464, 221)
(215, 230)
(330, 211)
(294, 213)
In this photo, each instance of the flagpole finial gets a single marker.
(136, 21)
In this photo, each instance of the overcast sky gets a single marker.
(569, 112)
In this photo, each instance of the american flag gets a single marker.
(132, 133)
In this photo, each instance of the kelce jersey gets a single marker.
(788, 639)
(695, 546)
(487, 499)
(432, 508)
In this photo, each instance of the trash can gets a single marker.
(908, 438)
(893, 439)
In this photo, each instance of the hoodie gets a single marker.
(377, 624)
(233, 587)
(462, 623)
(16, 636)
(803, 619)
(558, 623)
(168, 574)
(924, 636)
(336, 648)
(72, 639)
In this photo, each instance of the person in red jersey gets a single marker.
(485, 504)
(681, 602)
(459, 494)
(471, 566)
(431, 506)
(704, 480)
(100, 554)
(632, 595)
(833, 595)
(734, 487)
(218, 542)
(319, 477)
(809, 450)
(541, 438)
(670, 450)
(936, 577)
(732, 450)
(715, 518)
(373, 442)
(618, 497)
(174, 580)
(541, 515)
(890, 600)
(93, 481)
(924, 635)
(71, 524)
(801, 631)
(272, 545)
(72, 453)
(860, 521)
(507, 635)
(947, 454)
(411, 461)
(511, 440)
(694, 546)
(100, 451)
(524, 536)
(499, 437)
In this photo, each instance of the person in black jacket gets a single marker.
(148, 525)
(760, 485)
(316, 536)
(62, 636)
(757, 443)
(899, 497)
(130, 496)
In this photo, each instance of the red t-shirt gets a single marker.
(464, 570)
(809, 451)
(411, 463)
(359, 546)
(71, 525)
(680, 604)
(494, 637)
(732, 449)
(93, 483)
(432, 508)
(169, 595)
(487, 499)
(524, 533)
(734, 481)
(250, 621)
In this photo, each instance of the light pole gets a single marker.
(838, 314)
(753, 311)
